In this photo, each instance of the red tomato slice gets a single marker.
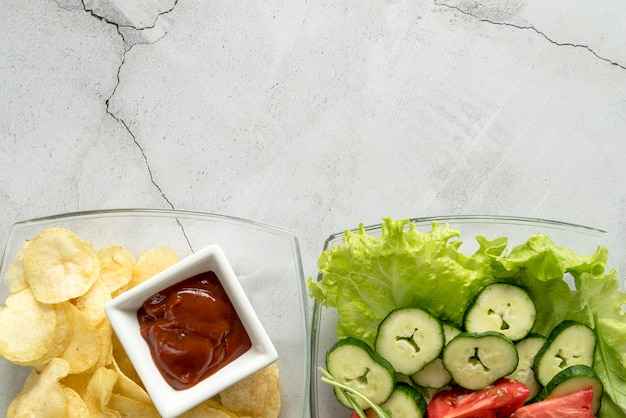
(369, 413)
(498, 400)
(572, 405)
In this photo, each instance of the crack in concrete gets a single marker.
(118, 25)
(127, 48)
(537, 31)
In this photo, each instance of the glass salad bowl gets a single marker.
(266, 260)
(580, 239)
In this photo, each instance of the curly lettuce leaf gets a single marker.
(545, 260)
(370, 276)
(610, 366)
(600, 297)
(548, 272)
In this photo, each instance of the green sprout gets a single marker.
(351, 394)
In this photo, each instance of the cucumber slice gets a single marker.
(503, 308)
(477, 360)
(449, 331)
(405, 402)
(409, 338)
(570, 343)
(353, 363)
(527, 349)
(433, 375)
(572, 379)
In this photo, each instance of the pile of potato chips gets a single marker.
(54, 322)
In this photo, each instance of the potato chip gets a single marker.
(62, 334)
(98, 393)
(28, 328)
(91, 304)
(151, 262)
(77, 382)
(85, 345)
(75, 407)
(209, 409)
(42, 395)
(106, 352)
(132, 408)
(257, 396)
(59, 265)
(122, 361)
(14, 277)
(128, 387)
(116, 266)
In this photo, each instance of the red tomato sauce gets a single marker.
(192, 330)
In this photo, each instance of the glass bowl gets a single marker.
(581, 239)
(265, 258)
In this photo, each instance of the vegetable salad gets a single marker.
(371, 276)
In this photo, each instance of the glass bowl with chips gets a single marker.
(59, 348)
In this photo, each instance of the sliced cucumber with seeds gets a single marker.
(477, 360)
(434, 375)
(503, 308)
(352, 362)
(527, 349)
(570, 343)
(409, 338)
(572, 379)
(405, 402)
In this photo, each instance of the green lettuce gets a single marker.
(369, 276)
(544, 270)
(609, 364)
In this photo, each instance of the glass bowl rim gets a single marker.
(94, 213)
(520, 220)
(169, 213)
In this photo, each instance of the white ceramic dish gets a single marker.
(122, 313)
(266, 260)
(582, 239)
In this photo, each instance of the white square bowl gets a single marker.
(122, 313)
